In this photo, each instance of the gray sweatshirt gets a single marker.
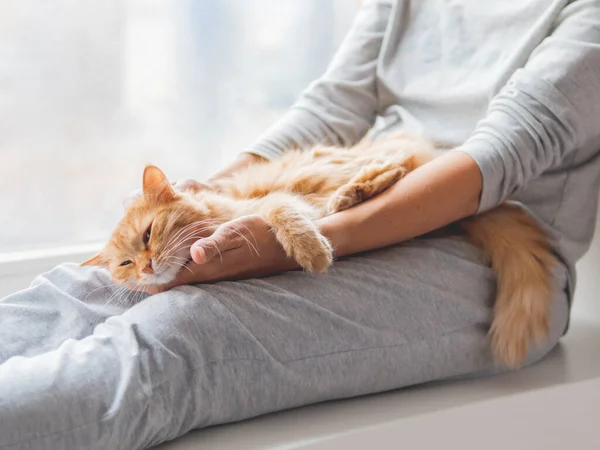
(515, 83)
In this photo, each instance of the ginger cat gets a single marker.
(151, 243)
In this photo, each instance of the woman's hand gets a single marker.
(242, 248)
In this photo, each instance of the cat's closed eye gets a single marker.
(126, 263)
(146, 238)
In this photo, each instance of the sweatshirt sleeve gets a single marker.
(547, 110)
(341, 106)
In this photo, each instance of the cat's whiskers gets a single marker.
(188, 227)
(181, 243)
(97, 289)
(165, 256)
(180, 231)
(184, 266)
(116, 294)
(240, 224)
(130, 291)
(214, 244)
(122, 300)
(134, 293)
(178, 263)
(174, 248)
(183, 238)
(252, 246)
(140, 295)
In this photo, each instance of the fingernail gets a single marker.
(200, 253)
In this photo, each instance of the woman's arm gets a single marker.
(341, 106)
(547, 111)
(434, 195)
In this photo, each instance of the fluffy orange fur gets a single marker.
(151, 243)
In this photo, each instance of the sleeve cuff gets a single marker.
(269, 152)
(492, 172)
(298, 128)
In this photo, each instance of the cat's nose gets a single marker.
(148, 268)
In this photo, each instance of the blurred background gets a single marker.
(91, 91)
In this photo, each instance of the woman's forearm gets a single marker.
(436, 194)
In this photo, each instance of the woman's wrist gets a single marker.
(339, 233)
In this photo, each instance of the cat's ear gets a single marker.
(96, 260)
(156, 184)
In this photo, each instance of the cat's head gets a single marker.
(152, 241)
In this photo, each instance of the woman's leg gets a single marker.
(199, 356)
(65, 303)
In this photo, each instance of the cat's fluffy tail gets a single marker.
(522, 260)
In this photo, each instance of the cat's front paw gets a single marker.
(345, 197)
(315, 254)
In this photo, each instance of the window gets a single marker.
(91, 91)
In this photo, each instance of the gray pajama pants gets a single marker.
(76, 373)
